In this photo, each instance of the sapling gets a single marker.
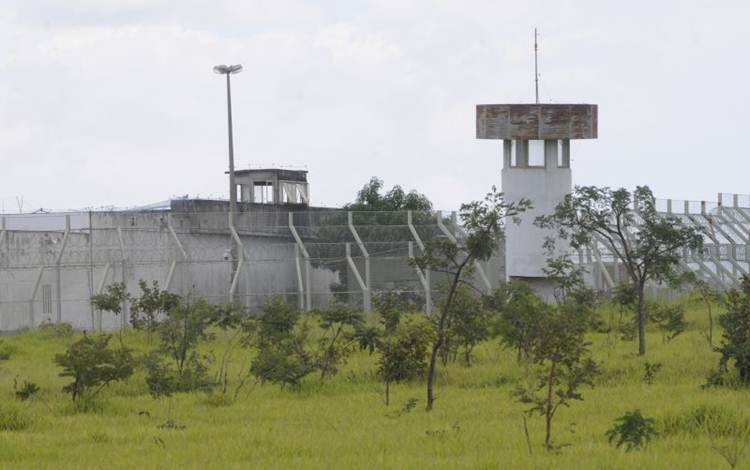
(563, 366)
(152, 305)
(483, 223)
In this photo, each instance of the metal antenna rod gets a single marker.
(536, 67)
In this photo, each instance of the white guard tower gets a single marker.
(536, 166)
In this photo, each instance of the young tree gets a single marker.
(229, 319)
(670, 319)
(112, 299)
(403, 355)
(518, 308)
(339, 323)
(470, 324)
(281, 343)
(560, 353)
(93, 365)
(648, 244)
(735, 345)
(184, 327)
(150, 306)
(483, 223)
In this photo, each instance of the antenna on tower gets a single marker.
(536, 66)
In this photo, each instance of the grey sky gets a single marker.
(114, 102)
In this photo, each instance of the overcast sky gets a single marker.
(106, 102)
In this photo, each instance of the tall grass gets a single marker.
(343, 423)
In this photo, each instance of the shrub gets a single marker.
(282, 358)
(339, 323)
(632, 430)
(735, 345)
(404, 352)
(26, 391)
(93, 365)
(6, 351)
(670, 319)
(56, 330)
(13, 417)
(650, 369)
(180, 334)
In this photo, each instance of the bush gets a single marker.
(735, 345)
(93, 365)
(180, 334)
(632, 430)
(13, 417)
(56, 330)
(26, 391)
(6, 351)
(282, 358)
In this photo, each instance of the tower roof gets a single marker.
(537, 121)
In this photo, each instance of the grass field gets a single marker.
(343, 422)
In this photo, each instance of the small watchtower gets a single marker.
(536, 166)
(273, 186)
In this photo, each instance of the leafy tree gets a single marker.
(648, 244)
(482, 222)
(112, 299)
(152, 304)
(371, 198)
(563, 365)
(632, 430)
(735, 345)
(93, 365)
(282, 357)
(403, 355)
(339, 323)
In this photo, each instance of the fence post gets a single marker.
(424, 277)
(123, 262)
(306, 255)
(240, 261)
(361, 283)
(58, 276)
(367, 301)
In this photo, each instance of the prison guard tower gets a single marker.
(536, 166)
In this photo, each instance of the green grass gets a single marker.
(343, 423)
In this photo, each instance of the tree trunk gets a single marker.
(710, 324)
(548, 410)
(641, 319)
(440, 333)
(387, 393)
(431, 373)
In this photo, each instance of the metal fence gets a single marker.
(721, 262)
(51, 264)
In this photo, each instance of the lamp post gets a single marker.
(230, 70)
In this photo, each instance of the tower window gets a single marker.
(563, 153)
(263, 192)
(536, 153)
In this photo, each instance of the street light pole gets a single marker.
(230, 70)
